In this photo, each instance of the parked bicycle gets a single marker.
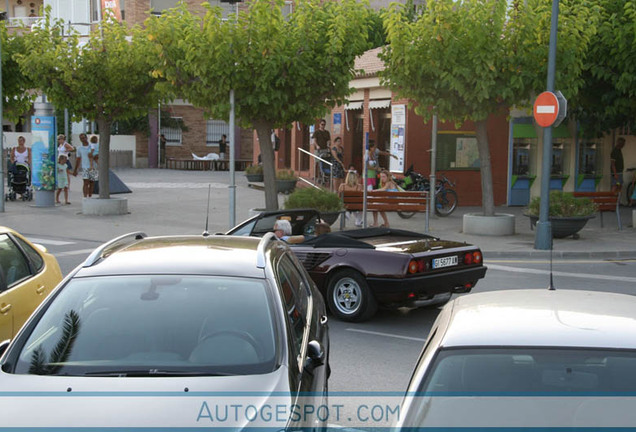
(445, 198)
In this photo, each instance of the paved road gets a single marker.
(392, 341)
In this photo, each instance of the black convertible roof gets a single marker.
(355, 238)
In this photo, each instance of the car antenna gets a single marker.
(551, 283)
(206, 233)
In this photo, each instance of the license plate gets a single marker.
(445, 262)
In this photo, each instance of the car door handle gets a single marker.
(5, 308)
(40, 289)
(323, 320)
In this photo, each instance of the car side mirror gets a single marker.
(315, 355)
(3, 346)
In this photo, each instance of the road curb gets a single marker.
(543, 254)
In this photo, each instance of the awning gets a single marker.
(354, 105)
(381, 103)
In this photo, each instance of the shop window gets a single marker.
(457, 151)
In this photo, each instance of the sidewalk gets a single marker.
(175, 202)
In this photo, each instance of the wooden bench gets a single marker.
(189, 164)
(411, 201)
(239, 164)
(605, 201)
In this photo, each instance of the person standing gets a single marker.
(64, 148)
(617, 165)
(222, 151)
(321, 139)
(20, 154)
(338, 171)
(84, 162)
(162, 151)
(62, 179)
(373, 164)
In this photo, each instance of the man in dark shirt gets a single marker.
(321, 139)
(617, 164)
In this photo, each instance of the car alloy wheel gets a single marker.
(349, 296)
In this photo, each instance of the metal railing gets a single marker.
(317, 169)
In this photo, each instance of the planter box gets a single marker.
(285, 186)
(254, 178)
(564, 226)
(330, 217)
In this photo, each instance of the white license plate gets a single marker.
(445, 262)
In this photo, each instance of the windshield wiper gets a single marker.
(153, 373)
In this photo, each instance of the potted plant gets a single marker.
(286, 181)
(567, 214)
(254, 173)
(327, 203)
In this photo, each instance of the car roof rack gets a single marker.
(260, 251)
(109, 247)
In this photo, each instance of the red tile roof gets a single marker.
(370, 63)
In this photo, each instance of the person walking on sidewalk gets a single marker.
(62, 179)
(84, 162)
(617, 165)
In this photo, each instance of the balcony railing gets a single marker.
(23, 21)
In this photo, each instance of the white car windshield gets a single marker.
(522, 387)
(153, 326)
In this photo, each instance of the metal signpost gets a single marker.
(545, 110)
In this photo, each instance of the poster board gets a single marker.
(398, 141)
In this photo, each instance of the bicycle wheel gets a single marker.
(405, 215)
(445, 202)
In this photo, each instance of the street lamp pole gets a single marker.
(543, 238)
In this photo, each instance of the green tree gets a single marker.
(103, 79)
(282, 69)
(17, 97)
(472, 58)
(607, 100)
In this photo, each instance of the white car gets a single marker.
(527, 358)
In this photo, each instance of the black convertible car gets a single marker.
(358, 270)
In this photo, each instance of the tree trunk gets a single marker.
(104, 157)
(264, 133)
(487, 196)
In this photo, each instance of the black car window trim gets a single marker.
(286, 264)
(25, 259)
(30, 252)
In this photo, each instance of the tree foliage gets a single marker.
(473, 58)
(16, 87)
(104, 79)
(608, 97)
(282, 68)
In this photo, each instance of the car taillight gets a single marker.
(417, 266)
(472, 258)
(477, 257)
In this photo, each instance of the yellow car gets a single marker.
(28, 273)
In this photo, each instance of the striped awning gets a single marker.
(354, 105)
(381, 103)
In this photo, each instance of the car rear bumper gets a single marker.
(410, 291)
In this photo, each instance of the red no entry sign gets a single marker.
(546, 109)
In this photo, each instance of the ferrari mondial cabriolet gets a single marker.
(359, 270)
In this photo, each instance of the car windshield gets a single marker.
(154, 325)
(532, 370)
(520, 386)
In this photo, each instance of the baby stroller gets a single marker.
(324, 173)
(19, 182)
